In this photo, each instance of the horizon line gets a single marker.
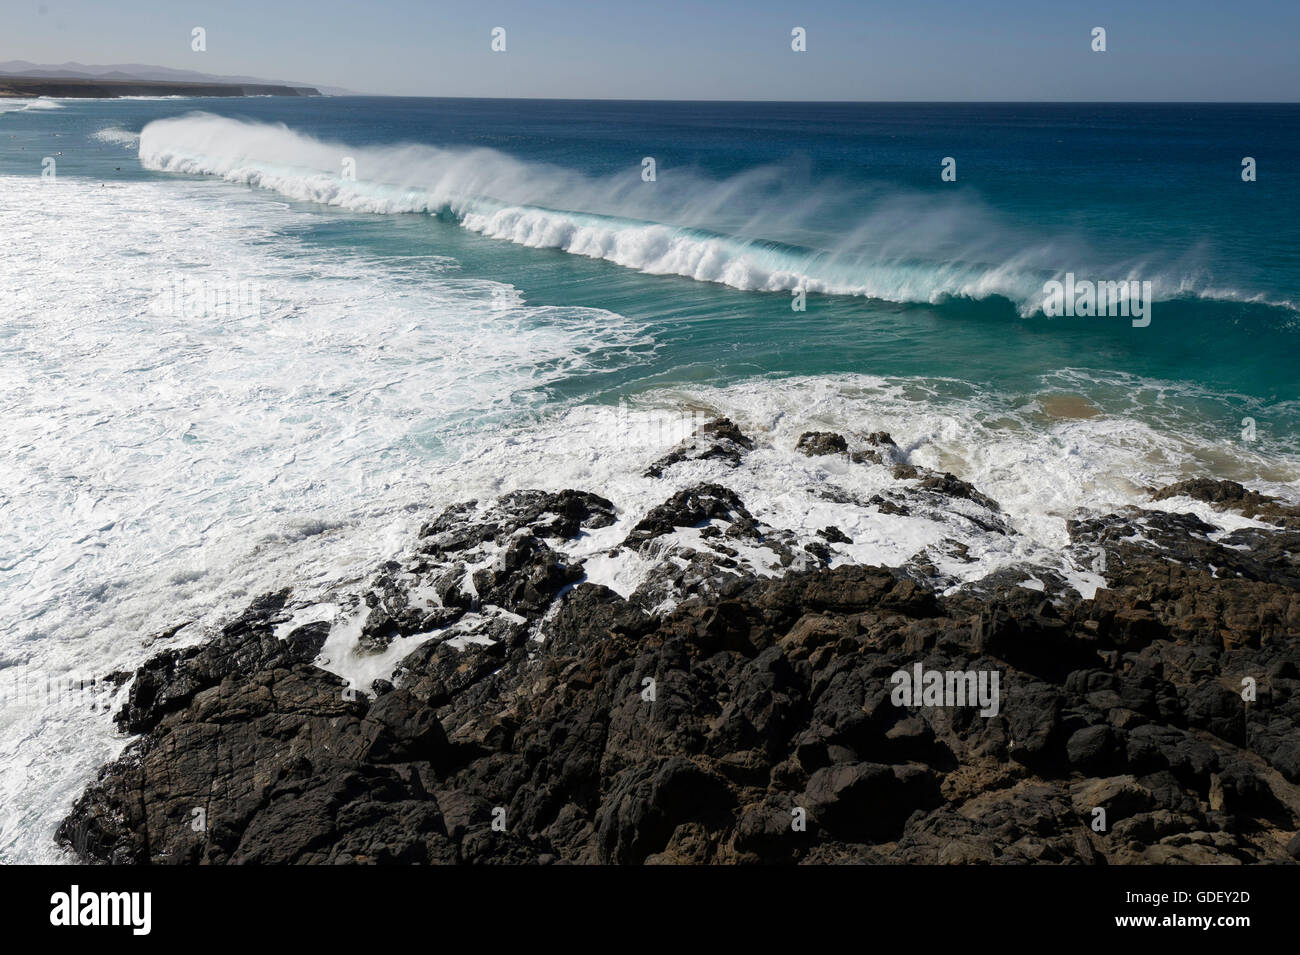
(822, 102)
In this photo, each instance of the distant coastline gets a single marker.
(79, 88)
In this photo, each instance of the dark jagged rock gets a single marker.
(526, 578)
(715, 716)
(887, 506)
(820, 443)
(835, 535)
(690, 508)
(716, 440)
(559, 515)
(942, 482)
(1231, 495)
(245, 645)
(880, 449)
(952, 486)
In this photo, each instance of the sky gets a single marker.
(1188, 50)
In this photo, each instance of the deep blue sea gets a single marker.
(250, 342)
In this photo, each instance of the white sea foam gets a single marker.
(1043, 473)
(117, 136)
(18, 104)
(161, 466)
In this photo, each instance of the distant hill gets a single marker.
(139, 72)
(72, 87)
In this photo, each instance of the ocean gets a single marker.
(250, 344)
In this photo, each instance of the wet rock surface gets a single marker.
(1232, 496)
(716, 440)
(718, 715)
(820, 443)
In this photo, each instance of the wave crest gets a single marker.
(764, 229)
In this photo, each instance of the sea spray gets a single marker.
(762, 229)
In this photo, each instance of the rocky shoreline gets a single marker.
(739, 702)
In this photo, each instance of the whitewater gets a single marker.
(167, 458)
(755, 231)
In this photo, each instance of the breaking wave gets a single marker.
(764, 229)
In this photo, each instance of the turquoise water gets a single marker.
(1105, 191)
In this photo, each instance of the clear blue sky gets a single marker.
(698, 49)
